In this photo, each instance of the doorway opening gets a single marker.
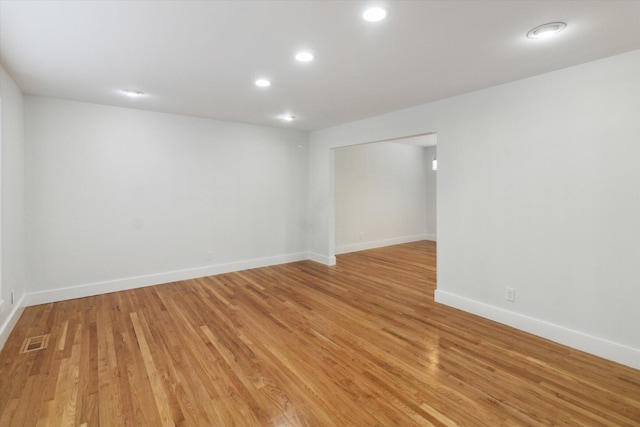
(385, 193)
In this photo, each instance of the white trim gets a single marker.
(1, 228)
(363, 246)
(322, 259)
(60, 294)
(579, 340)
(431, 237)
(10, 321)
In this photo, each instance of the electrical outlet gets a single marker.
(11, 297)
(209, 256)
(510, 294)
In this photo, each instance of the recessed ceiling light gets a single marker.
(304, 56)
(132, 93)
(374, 14)
(287, 117)
(263, 83)
(546, 30)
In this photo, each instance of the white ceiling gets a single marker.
(200, 58)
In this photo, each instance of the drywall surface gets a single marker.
(12, 227)
(116, 194)
(431, 180)
(539, 190)
(380, 192)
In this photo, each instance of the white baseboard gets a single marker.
(363, 246)
(597, 346)
(431, 237)
(91, 289)
(10, 322)
(322, 259)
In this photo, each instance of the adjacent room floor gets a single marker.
(301, 344)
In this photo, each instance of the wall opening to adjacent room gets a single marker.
(384, 193)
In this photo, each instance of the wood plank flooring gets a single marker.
(358, 344)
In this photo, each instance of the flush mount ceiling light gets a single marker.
(304, 56)
(132, 93)
(374, 14)
(263, 83)
(287, 117)
(546, 30)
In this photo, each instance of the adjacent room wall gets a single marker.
(12, 202)
(380, 192)
(431, 180)
(118, 198)
(539, 190)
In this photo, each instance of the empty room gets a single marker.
(319, 213)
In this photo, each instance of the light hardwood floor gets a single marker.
(301, 344)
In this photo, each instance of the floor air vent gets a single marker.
(35, 343)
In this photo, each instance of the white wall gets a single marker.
(538, 189)
(431, 181)
(118, 198)
(380, 192)
(12, 226)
